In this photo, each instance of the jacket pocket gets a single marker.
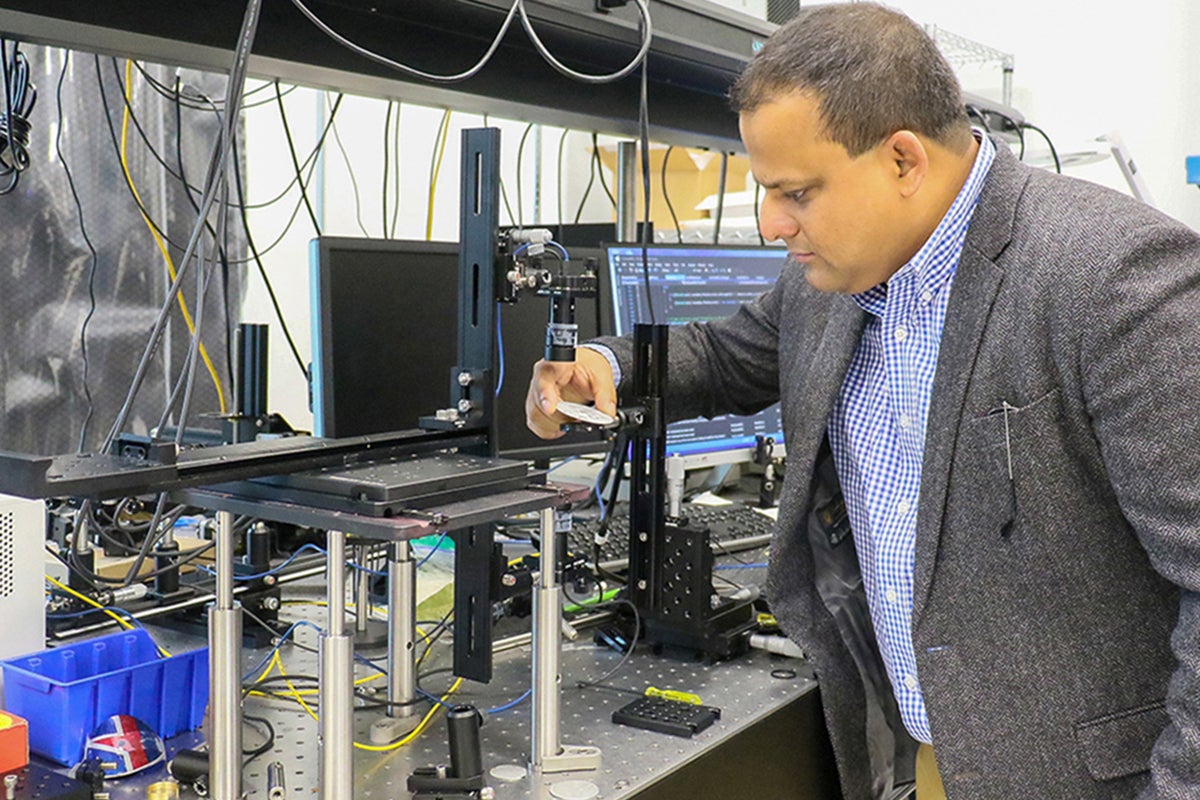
(1119, 744)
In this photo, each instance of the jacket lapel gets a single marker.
(834, 352)
(976, 282)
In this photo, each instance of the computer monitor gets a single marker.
(697, 283)
(385, 338)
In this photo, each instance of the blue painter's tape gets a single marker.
(1193, 169)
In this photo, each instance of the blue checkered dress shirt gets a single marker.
(877, 433)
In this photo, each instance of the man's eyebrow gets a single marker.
(791, 184)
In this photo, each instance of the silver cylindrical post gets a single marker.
(335, 583)
(627, 191)
(547, 647)
(336, 680)
(402, 604)
(225, 686)
(362, 589)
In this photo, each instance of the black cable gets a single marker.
(268, 744)
(387, 127)
(287, 133)
(587, 190)
(438, 631)
(337, 139)
(1053, 152)
(262, 270)
(205, 103)
(137, 126)
(87, 392)
(214, 177)
(112, 133)
(720, 197)
(66, 562)
(637, 626)
(667, 197)
(20, 96)
(396, 150)
(644, 129)
(600, 170)
(734, 584)
(520, 158)
(306, 164)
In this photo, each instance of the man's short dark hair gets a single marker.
(873, 70)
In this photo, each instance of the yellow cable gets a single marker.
(279, 665)
(162, 247)
(443, 136)
(421, 726)
(120, 620)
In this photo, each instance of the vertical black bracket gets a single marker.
(648, 464)
(478, 562)
(479, 220)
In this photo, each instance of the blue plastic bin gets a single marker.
(66, 691)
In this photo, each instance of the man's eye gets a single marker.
(797, 196)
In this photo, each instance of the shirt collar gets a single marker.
(934, 264)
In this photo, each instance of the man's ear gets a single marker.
(908, 160)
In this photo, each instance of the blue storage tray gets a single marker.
(67, 691)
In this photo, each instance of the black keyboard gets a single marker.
(666, 716)
(732, 528)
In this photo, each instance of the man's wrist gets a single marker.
(609, 356)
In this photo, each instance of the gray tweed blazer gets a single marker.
(1057, 614)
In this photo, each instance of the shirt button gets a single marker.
(903, 506)
(901, 334)
(911, 682)
(891, 595)
(904, 421)
(926, 296)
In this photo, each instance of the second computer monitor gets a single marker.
(385, 333)
(697, 283)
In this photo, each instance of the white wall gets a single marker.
(1083, 69)
(360, 126)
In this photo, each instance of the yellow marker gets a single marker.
(671, 694)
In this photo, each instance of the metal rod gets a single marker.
(402, 605)
(225, 641)
(626, 192)
(362, 589)
(335, 583)
(547, 647)
(336, 680)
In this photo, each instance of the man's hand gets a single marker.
(588, 378)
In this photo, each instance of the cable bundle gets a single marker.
(19, 98)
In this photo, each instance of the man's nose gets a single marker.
(774, 222)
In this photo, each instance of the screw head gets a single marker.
(641, 584)
(464, 406)
(464, 379)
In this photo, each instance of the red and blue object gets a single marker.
(124, 745)
(66, 692)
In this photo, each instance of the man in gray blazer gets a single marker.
(992, 372)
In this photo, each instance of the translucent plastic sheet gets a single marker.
(45, 264)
